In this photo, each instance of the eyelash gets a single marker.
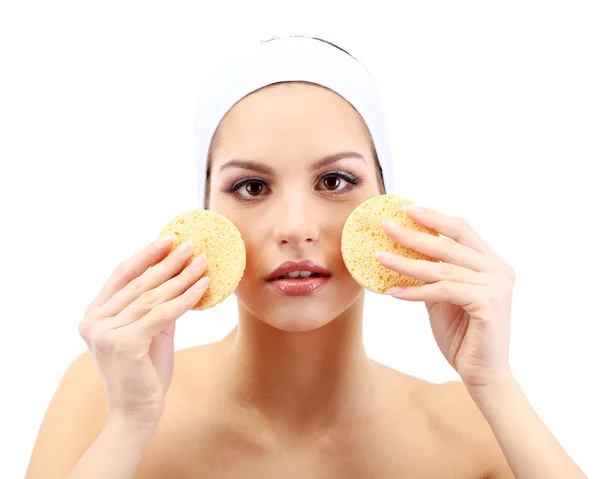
(352, 180)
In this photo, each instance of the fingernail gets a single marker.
(198, 261)
(413, 207)
(166, 239)
(185, 247)
(384, 255)
(200, 284)
(392, 225)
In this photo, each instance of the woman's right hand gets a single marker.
(129, 327)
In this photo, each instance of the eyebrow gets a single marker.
(267, 170)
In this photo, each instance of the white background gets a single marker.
(494, 112)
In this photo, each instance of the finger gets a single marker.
(459, 294)
(169, 329)
(160, 317)
(452, 227)
(167, 291)
(132, 268)
(429, 271)
(151, 279)
(438, 247)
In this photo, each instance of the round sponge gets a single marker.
(221, 241)
(363, 236)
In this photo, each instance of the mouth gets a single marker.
(300, 278)
(298, 270)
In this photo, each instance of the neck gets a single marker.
(301, 381)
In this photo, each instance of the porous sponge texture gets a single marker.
(363, 236)
(221, 241)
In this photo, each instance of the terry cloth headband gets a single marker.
(290, 59)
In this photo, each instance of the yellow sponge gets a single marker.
(363, 236)
(221, 241)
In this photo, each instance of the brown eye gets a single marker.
(337, 183)
(248, 189)
(331, 182)
(253, 188)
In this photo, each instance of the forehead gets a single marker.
(292, 116)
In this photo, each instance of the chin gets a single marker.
(299, 313)
(298, 316)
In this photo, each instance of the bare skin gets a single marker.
(409, 428)
(290, 392)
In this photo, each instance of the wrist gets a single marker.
(494, 390)
(131, 426)
(117, 451)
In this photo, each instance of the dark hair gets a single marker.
(215, 139)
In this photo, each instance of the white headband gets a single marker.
(291, 59)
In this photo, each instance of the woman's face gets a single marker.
(291, 163)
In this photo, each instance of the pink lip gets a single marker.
(304, 265)
(299, 286)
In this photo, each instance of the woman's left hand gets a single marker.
(468, 294)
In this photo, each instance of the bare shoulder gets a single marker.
(80, 394)
(442, 417)
(74, 417)
(195, 364)
(458, 418)
(451, 408)
(175, 448)
(78, 410)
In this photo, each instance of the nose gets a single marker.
(297, 222)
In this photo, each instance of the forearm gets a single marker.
(115, 453)
(529, 447)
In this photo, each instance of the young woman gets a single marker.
(291, 139)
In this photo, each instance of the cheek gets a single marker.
(257, 236)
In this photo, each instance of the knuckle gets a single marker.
(462, 224)
(158, 310)
(122, 268)
(121, 344)
(445, 250)
(100, 339)
(149, 300)
(136, 287)
(170, 309)
(85, 329)
(108, 342)
(445, 271)
(443, 287)
(461, 227)
(88, 310)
